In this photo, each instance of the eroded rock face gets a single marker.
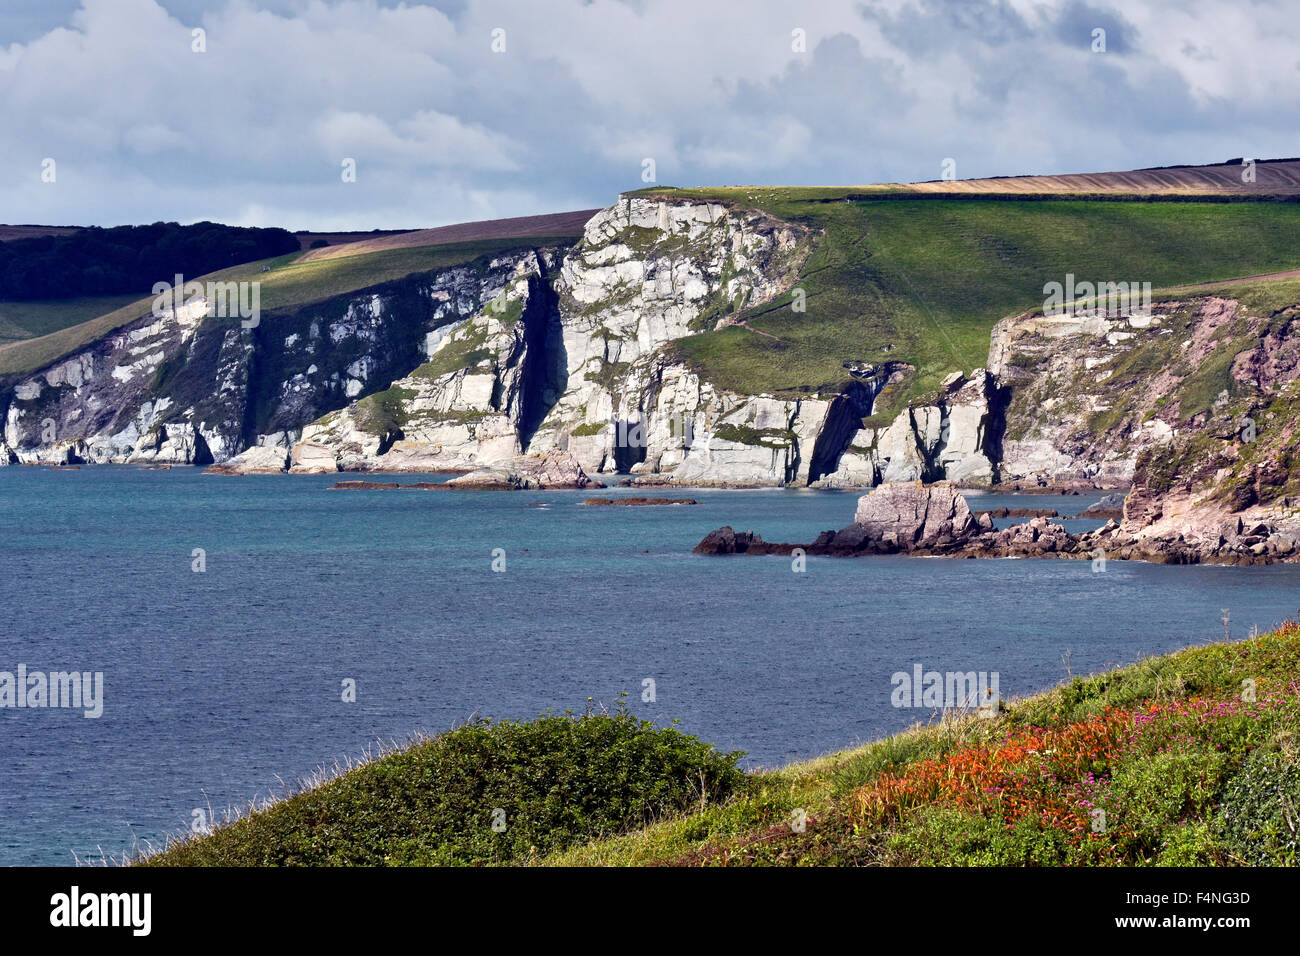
(553, 469)
(583, 371)
(261, 460)
(956, 437)
(1089, 395)
(185, 388)
(470, 405)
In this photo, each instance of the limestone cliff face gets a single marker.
(475, 402)
(573, 359)
(954, 436)
(646, 273)
(571, 349)
(189, 389)
(577, 358)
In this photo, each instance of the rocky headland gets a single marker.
(575, 351)
(934, 520)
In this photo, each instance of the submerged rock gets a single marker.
(555, 469)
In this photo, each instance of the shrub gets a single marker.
(551, 782)
(1259, 812)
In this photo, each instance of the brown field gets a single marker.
(1272, 177)
(555, 224)
(305, 239)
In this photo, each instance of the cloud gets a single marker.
(445, 129)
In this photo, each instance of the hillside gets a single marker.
(373, 258)
(553, 226)
(923, 281)
(834, 337)
(1189, 759)
(1276, 177)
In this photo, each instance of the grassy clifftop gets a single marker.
(1187, 759)
(923, 281)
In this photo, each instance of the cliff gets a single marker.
(614, 350)
(186, 388)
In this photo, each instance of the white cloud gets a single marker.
(445, 129)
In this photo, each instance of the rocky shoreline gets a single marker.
(637, 502)
(935, 521)
(554, 470)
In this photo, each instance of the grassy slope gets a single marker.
(288, 284)
(483, 793)
(1199, 776)
(26, 320)
(929, 278)
(1182, 784)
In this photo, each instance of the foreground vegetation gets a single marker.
(483, 793)
(1190, 759)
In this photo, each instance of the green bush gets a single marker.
(1152, 794)
(939, 836)
(1190, 844)
(550, 782)
(1259, 811)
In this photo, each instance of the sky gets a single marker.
(459, 110)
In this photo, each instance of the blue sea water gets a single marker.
(220, 685)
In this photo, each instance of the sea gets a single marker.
(252, 630)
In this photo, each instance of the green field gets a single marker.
(286, 284)
(923, 281)
(27, 320)
(1193, 758)
(920, 281)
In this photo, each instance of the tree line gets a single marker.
(129, 259)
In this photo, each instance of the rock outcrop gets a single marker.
(186, 388)
(553, 469)
(935, 521)
(913, 515)
(259, 460)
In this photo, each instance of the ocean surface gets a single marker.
(221, 686)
